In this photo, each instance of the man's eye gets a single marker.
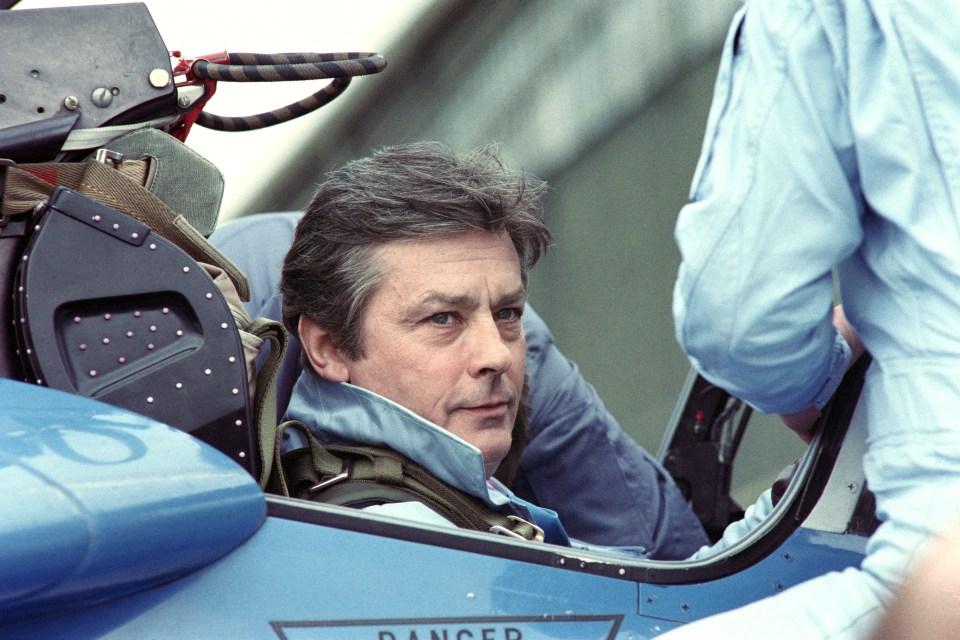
(444, 319)
(508, 314)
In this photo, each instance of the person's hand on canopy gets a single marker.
(802, 422)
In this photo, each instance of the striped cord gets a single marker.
(282, 67)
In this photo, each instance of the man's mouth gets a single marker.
(488, 409)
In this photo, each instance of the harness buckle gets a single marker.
(332, 480)
(504, 531)
(109, 158)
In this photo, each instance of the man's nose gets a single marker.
(490, 352)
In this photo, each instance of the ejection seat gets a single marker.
(97, 302)
(105, 290)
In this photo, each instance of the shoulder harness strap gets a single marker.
(361, 476)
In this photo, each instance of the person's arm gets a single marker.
(736, 531)
(775, 207)
(926, 607)
(257, 244)
(802, 422)
(582, 464)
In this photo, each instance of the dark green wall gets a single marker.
(606, 285)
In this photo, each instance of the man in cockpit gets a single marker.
(401, 224)
(405, 283)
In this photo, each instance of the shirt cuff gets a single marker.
(839, 361)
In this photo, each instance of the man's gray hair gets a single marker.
(408, 191)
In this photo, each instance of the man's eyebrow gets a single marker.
(439, 299)
(514, 297)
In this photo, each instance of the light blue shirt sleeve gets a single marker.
(834, 144)
(775, 205)
(755, 515)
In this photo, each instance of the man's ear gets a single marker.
(321, 350)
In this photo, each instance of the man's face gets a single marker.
(442, 336)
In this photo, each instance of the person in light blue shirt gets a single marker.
(578, 461)
(833, 151)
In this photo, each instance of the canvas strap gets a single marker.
(346, 475)
(119, 187)
(265, 398)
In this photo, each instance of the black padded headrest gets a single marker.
(106, 308)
